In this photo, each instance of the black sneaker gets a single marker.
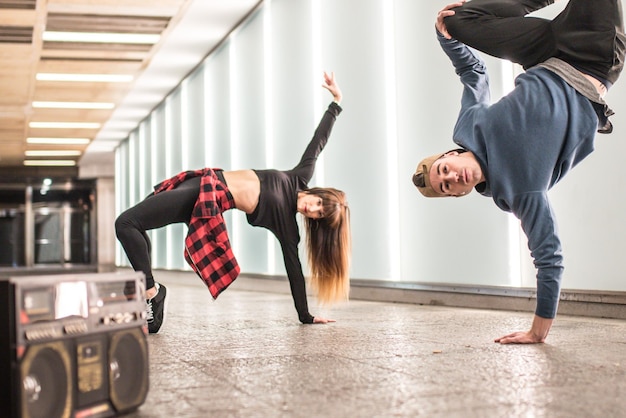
(156, 309)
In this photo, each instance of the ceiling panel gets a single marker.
(70, 22)
(16, 34)
(89, 92)
(15, 88)
(17, 4)
(171, 8)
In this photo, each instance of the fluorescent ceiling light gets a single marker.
(65, 125)
(52, 153)
(73, 105)
(114, 38)
(99, 78)
(65, 163)
(58, 141)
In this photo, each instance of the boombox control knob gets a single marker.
(75, 328)
(42, 333)
(118, 318)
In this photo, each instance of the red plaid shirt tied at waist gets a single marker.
(207, 248)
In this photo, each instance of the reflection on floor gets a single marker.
(246, 355)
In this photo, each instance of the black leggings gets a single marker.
(155, 211)
(588, 34)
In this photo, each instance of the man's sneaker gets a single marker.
(156, 309)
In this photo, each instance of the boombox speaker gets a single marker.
(72, 346)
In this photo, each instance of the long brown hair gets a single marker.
(328, 245)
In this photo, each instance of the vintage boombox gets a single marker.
(73, 346)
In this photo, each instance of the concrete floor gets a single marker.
(246, 355)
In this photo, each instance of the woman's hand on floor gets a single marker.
(320, 320)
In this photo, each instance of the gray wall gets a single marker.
(255, 102)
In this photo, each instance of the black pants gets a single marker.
(588, 34)
(155, 211)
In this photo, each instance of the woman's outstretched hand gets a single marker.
(443, 13)
(320, 320)
(331, 85)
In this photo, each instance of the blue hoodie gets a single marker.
(525, 143)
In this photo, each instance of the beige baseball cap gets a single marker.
(421, 177)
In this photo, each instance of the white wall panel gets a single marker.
(193, 122)
(217, 115)
(121, 192)
(356, 162)
(133, 167)
(144, 160)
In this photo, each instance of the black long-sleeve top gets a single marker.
(277, 207)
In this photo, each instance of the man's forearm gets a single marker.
(541, 328)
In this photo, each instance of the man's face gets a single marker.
(455, 174)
